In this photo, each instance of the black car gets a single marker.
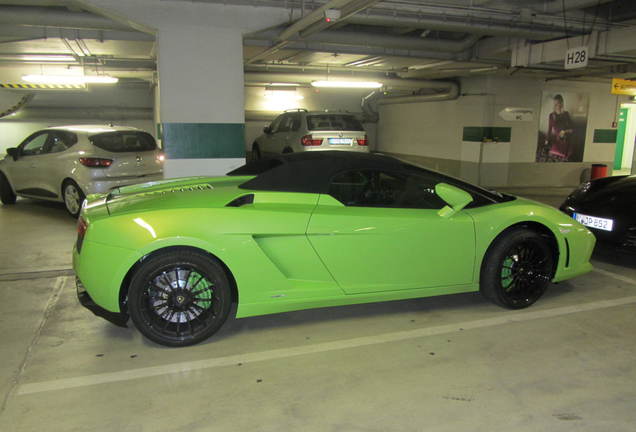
(608, 207)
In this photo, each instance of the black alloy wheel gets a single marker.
(517, 269)
(179, 298)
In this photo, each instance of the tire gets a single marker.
(256, 152)
(517, 269)
(73, 197)
(287, 150)
(6, 193)
(168, 298)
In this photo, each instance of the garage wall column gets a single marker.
(201, 108)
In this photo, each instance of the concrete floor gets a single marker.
(440, 364)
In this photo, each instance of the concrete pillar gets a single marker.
(200, 113)
(201, 106)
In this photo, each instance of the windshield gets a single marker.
(330, 122)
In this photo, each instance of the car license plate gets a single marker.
(594, 222)
(340, 141)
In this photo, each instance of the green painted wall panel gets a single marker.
(605, 136)
(486, 133)
(620, 137)
(203, 140)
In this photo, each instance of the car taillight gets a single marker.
(363, 141)
(308, 140)
(82, 226)
(95, 162)
(161, 157)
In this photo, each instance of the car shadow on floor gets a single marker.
(438, 305)
(611, 255)
(32, 207)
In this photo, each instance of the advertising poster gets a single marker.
(562, 125)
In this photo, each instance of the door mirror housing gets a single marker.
(455, 198)
(267, 130)
(13, 152)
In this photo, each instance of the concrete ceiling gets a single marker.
(405, 38)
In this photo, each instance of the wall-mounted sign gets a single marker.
(623, 87)
(576, 58)
(517, 114)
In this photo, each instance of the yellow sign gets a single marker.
(623, 87)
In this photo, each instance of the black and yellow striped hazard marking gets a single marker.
(43, 86)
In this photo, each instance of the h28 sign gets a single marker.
(576, 58)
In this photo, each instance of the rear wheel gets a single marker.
(517, 269)
(6, 193)
(179, 298)
(73, 197)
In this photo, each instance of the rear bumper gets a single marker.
(118, 318)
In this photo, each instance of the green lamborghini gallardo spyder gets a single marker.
(311, 230)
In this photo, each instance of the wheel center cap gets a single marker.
(180, 299)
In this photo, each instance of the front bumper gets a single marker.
(118, 318)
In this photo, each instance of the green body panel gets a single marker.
(289, 251)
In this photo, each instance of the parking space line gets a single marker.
(184, 367)
(616, 276)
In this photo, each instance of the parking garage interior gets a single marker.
(466, 88)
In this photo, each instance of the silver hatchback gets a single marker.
(67, 163)
(301, 130)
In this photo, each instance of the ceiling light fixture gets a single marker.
(347, 84)
(70, 79)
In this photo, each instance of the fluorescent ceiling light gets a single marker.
(70, 79)
(346, 84)
(287, 95)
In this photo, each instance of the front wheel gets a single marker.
(73, 197)
(6, 193)
(179, 298)
(517, 269)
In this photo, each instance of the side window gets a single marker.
(61, 141)
(295, 122)
(34, 145)
(375, 188)
(285, 124)
(274, 125)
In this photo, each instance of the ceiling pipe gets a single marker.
(367, 39)
(47, 17)
(17, 106)
(282, 39)
(558, 6)
(441, 91)
(490, 29)
(364, 50)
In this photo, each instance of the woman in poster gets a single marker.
(560, 129)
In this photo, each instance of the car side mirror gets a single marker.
(267, 130)
(13, 152)
(455, 198)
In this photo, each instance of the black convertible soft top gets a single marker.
(312, 172)
(309, 172)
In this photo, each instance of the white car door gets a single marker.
(23, 171)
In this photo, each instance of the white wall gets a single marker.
(434, 130)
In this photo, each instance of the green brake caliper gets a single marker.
(203, 290)
(506, 273)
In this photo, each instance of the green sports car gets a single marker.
(311, 230)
